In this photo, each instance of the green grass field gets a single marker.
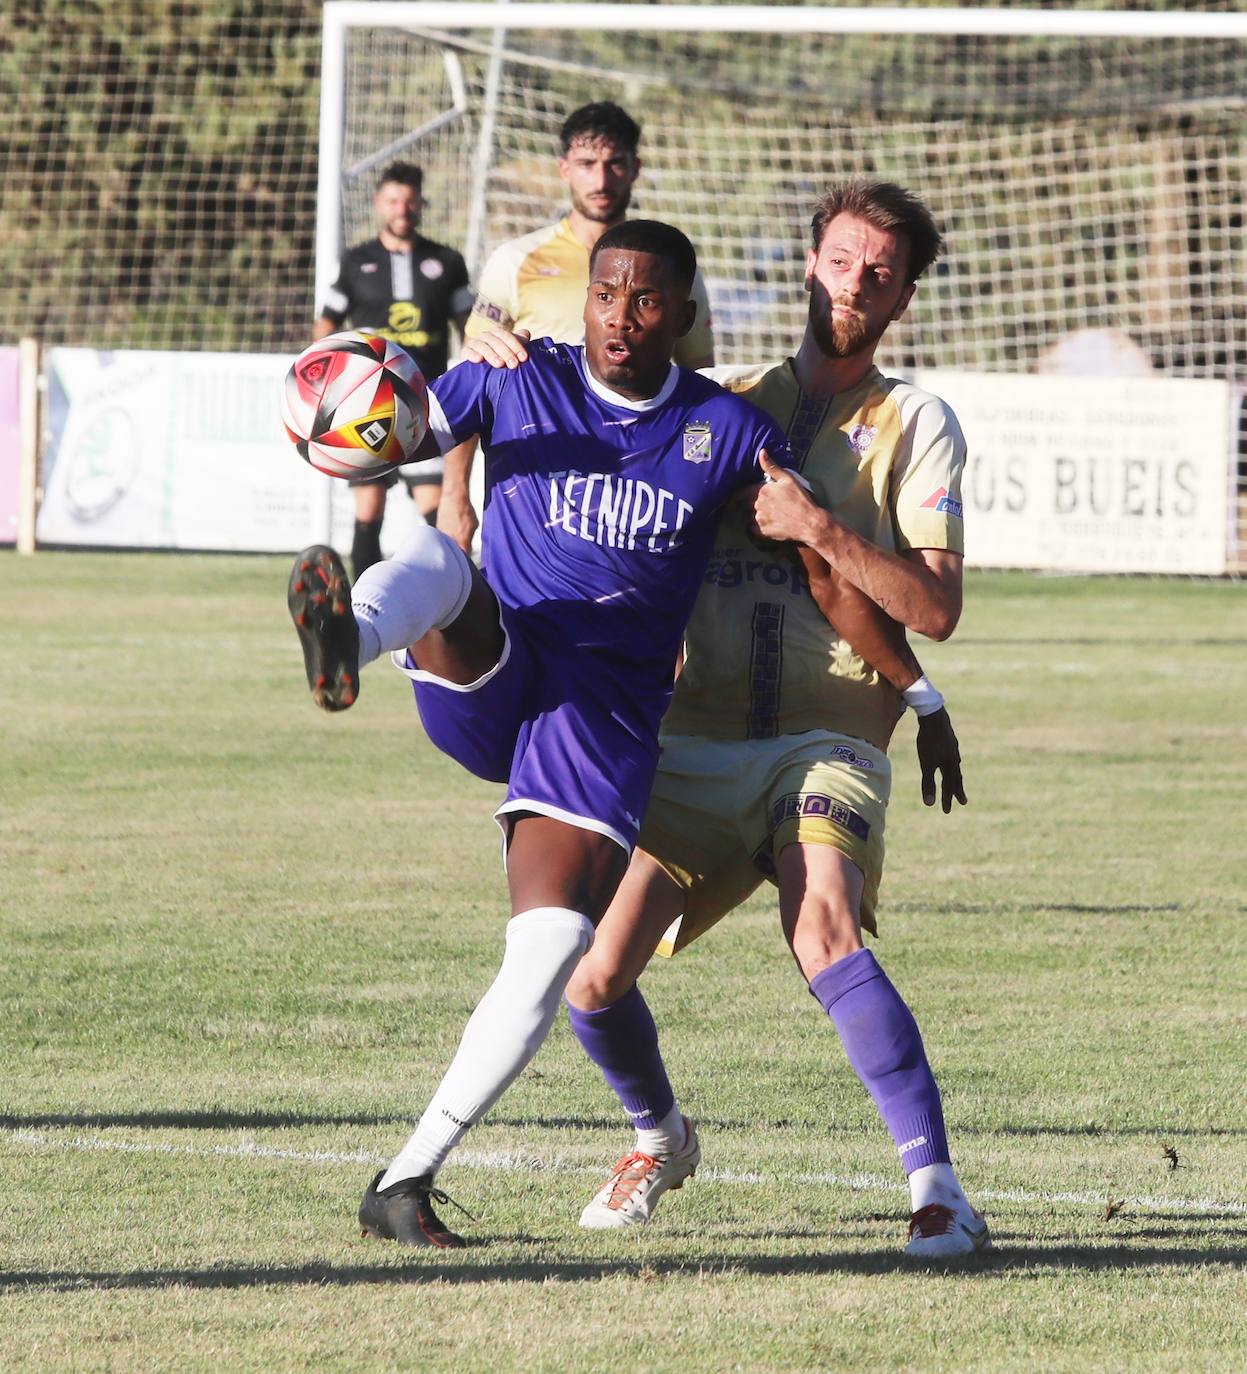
(239, 939)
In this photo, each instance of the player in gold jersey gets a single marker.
(774, 761)
(537, 283)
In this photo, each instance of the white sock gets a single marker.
(422, 588)
(936, 1183)
(505, 1031)
(666, 1138)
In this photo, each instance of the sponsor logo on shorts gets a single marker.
(862, 436)
(844, 754)
(942, 504)
(697, 439)
(798, 805)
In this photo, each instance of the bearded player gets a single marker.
(774, 759)
(537, 282)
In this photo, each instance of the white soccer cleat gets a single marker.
(636, 1184)
(937, 1232)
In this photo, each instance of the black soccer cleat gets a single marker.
(319, 598)
(404, 1212)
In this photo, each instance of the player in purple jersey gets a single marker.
(609, 467)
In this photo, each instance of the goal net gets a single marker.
(1090, 188)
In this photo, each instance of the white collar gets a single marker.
(613, 398)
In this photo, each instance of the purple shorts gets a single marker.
(557, 729)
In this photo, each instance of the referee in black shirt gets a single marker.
(411, 290)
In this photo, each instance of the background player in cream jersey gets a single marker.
(537, 282)
(770, 699)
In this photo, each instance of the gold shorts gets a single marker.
(721, 810)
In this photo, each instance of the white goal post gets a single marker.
(1088, 167)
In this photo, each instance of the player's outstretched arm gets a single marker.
(455, 514)
(873, 635)
(922, 592)
(879, 640)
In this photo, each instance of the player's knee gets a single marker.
(596, 984)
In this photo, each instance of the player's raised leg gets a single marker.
(561, 879)
(428, 598)
(820, 900)
(617, 1031)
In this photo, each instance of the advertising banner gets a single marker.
(178, 451)
(10, 440)
(1107, 474)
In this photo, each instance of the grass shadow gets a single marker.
(443, 1270)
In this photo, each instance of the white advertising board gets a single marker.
(1094, 474)
(178, 451)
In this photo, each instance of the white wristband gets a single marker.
(923, 697)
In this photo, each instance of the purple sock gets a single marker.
(622, 1041)
(884, 1046)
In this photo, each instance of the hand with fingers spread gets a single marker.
(497, 347)
(938, 752)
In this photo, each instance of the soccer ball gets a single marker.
(355, 405)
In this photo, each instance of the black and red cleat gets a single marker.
(404, 1212)
(319, 598)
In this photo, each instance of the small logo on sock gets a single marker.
(911, 1145)
(450, 1116)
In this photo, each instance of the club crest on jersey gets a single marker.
(368, 267)
(432, 268)
(697, 442)
(861, 437)
(942, 503)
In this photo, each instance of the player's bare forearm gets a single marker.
(322, 327)
(455, 515)
(922, 597)
(873, 635)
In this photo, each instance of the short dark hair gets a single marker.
(651, 236)
(602, 119)
(886, 206)
(405, 173)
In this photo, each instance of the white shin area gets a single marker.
(503, 1034)
(399, 600)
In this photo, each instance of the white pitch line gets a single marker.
(512, 1162)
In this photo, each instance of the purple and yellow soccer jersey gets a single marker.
(600, 512)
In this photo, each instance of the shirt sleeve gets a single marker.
(461, 294)
(926, 491)
(494, 304)
(460, 405)
(338, 298)
(698, 344)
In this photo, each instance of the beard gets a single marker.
(610, 213)
(838, 338)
